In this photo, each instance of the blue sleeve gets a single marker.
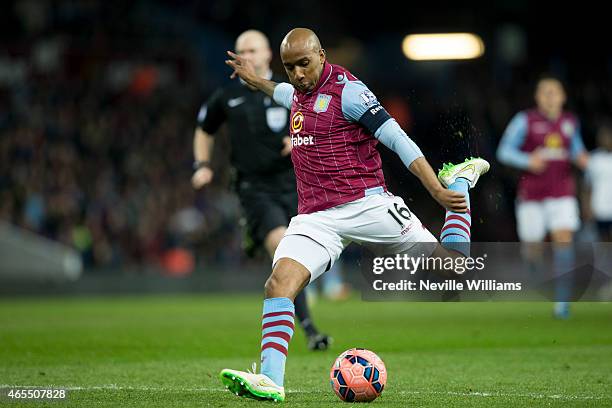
(577, 145)
(391, 135)
(509, 150)
(359, 104)
(283, 94)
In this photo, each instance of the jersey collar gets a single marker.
(325, 74)
(546, 118)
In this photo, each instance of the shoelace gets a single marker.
(253, 367)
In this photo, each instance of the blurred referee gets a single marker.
(258, 132)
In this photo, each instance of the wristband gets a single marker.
(198, 164)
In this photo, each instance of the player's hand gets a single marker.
(582, 160)
(242, 67)
(201, 177)
(537, 163)
(286, 146)
(451, 200)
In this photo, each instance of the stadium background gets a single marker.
(98, 104)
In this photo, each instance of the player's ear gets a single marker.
(322, 56)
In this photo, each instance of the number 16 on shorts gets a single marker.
(399, 213)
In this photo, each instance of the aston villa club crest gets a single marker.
(322, 103)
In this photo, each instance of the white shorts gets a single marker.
(382, 223)
(536, 218)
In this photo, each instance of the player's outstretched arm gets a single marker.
(244, 69)
(449, 199)
(391, 135)
(360, 105)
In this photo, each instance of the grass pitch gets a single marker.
(168, 351)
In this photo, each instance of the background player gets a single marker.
(599, 181)
(336, 122)
(543, 143)
(597, 200)
(265, 182)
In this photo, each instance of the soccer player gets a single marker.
(258, 132)
(598, 176)
(543, 143)
(335, 124)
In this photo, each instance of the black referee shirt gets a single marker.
(256, 126)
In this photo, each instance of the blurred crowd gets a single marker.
(96, 145)
(107, 173)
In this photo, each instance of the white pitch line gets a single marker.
(110, 387)
(115, 387)
(498, 394)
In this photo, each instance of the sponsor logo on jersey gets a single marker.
(297, 122)
(553, 141)
(553, 148)
(297, 140)
(553, 153)
(322, 103)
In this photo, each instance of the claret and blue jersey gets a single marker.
(557, 141)
(334, 130)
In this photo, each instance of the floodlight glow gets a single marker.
(455, 46)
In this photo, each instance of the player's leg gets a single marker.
(284, 207)
(297, 260)
(563, 220)
(316, 340)
(286, 280)
(455, 236)
(602, 255)
(531, 230)
(267, 214)
(563, 263)
(384, 225)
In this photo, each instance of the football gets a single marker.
(358, 375)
